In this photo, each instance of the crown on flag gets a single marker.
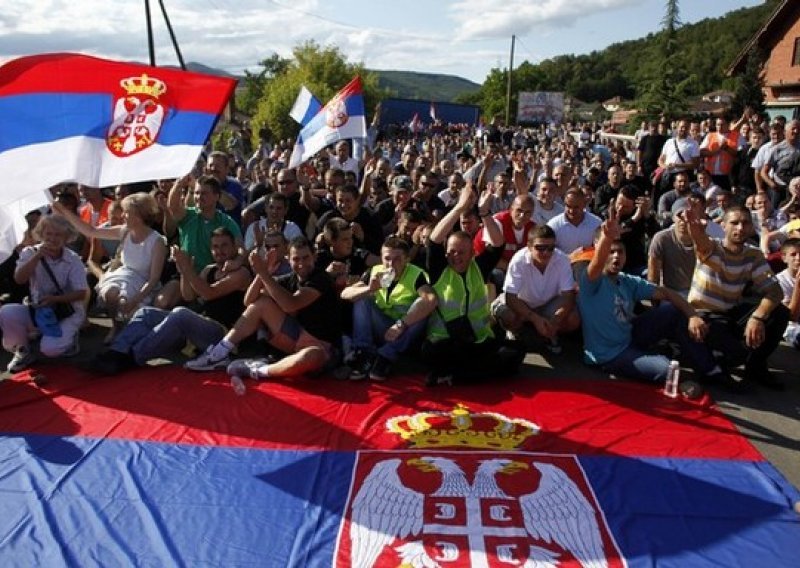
(462, 428)
(144, 85)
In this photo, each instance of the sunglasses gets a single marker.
(544, 248)
(285, 181)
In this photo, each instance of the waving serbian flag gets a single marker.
(69, 117)
(342, 118)
(305, 107)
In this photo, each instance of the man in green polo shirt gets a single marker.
(196, 223)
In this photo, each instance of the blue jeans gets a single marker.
(370, 325)
(663, 322)
(154, 333)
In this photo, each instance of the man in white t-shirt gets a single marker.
(679, 154)
(277, 207)
(341, 159)
(539, 299)
(546, 205)
(575, 227)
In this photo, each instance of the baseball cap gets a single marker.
(402, 183)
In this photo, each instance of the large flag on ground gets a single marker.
(167, 468)
(342, 118)
(69, 117)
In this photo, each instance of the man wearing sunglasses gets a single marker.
(539, 299)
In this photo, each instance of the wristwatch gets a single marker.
(401, 324)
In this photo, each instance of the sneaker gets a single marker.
(247, 368)
(436, 380)
(22, 359)
(359, 364)
(726, 381)
(206, 363)
(690, 390)
(380, 369)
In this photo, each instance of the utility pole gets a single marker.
(508, 87)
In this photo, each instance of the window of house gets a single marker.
(796, 55)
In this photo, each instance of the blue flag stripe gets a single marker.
(90, 501)
(45, 117)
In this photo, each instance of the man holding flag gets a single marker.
(342, 118)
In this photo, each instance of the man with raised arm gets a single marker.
(461, 345)
(614, 338)
(740, 331)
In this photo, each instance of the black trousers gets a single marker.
(473, 362)
(726, 334)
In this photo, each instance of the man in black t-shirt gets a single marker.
(650, 149)
(299, 311)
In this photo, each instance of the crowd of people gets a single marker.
(464, 248)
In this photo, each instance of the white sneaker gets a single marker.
(206, 363)
(247, 368)
(22, 359)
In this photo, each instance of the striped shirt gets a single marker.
(720, 278)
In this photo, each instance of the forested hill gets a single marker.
(707, 48)
(411, 85)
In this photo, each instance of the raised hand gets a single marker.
(610, 226)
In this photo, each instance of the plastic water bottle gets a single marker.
(673, 378)
(387, 277)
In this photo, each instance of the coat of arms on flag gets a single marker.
(481, 505)
(138, 115)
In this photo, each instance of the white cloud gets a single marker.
(501, 18)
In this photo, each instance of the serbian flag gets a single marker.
(75, 118)
(164, 467)
(415, 126)
(342, 118)
(305, 107)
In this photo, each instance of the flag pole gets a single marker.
(508, 85)
(151, 48)
(172, 35)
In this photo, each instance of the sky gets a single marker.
(466, 38)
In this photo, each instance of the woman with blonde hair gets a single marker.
(133, 278)
(58, 287)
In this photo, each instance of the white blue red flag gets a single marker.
(305, 107)
(415, 126)
(342, 118)
(75, 118)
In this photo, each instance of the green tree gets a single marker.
(748, 89)
(324, 71)
(663, 93)
(253, 83)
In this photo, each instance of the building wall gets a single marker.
(779, 68)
